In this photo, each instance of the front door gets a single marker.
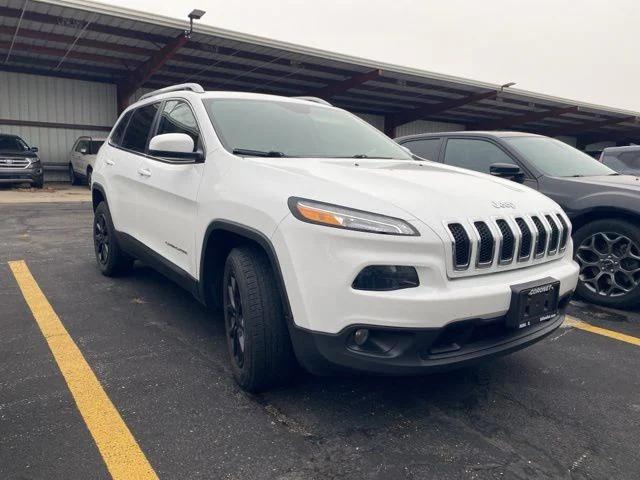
(168, 191)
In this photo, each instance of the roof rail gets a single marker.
(315, 100)
(193, 87)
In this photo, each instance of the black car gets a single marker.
(603, 205)
(624, 160)
(19, 163)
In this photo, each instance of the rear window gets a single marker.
(116, 135)
(137, 133)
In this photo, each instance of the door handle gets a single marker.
(144, 172)
(109, 162)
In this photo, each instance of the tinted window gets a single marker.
(82, 144)
(556, 158)
(297, 129)
(177, 117)
(95, 146)
(426, 148)
(474, 154)
(137, 133)
(12, 144)
(116, 136)
(614, 162)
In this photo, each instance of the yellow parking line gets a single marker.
(574, 322)
(116, 444)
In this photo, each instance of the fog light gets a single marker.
(361, 336)
(386, 277)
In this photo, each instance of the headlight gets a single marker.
(336, 216)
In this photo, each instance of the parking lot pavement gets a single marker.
(52, 192)
(568, 407)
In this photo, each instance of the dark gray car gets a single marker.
(19, 163)
(625, 160)
(603, 205)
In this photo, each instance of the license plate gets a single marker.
(533, 302)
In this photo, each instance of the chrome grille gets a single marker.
(524, 252)
(541, 236)
(482, 246)
(461, 246)
(14, 163)
(486, 244)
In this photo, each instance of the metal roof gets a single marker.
(98, 42)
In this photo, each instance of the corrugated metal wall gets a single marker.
(56, 100)
(426, 126)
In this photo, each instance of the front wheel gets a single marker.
(257, 336)
(89, 174)
(608, 252)
(73, 178)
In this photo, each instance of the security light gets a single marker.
(194, 15)
(507, 85)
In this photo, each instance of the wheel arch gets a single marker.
(98, 195)
(220, 237)
(603, 213)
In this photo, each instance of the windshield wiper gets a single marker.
(363, 155)
(257, 153)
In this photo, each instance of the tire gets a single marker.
(608, 252)
(112, 260)
(73, 178)
(258, 340)
(89, 173)
(39, 183)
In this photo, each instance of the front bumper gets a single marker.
(21, 175)
(418, 351)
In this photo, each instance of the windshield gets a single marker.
(292, 129)
(12, 144)
(557, 159)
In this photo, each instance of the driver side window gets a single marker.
(474, 154)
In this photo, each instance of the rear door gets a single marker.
(168, 192)
(121, 170)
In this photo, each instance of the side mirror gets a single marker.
(34, 149)
(508, 171)
(177, 147)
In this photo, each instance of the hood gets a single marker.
(428, 191)
(610, 182)
(15, 154)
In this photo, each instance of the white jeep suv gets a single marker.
(325, 243)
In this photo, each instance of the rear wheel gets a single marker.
(608, 252)
(257, 337)
(73, 178)
(111, 259)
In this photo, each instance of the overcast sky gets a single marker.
(585, 50)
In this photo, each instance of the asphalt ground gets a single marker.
(567, 407)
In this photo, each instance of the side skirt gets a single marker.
(156, 261)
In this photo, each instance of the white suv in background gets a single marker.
(82, 158)
(325, 243)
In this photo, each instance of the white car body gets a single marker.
(82, 156)
(168, 209)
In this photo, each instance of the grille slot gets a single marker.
(526, 239)
(461, 246)
(508, 246)
(486, 244)
(564, 236)
(541, 241)
(555, 235)
(13, 163)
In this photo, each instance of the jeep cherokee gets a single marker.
(324, 242)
